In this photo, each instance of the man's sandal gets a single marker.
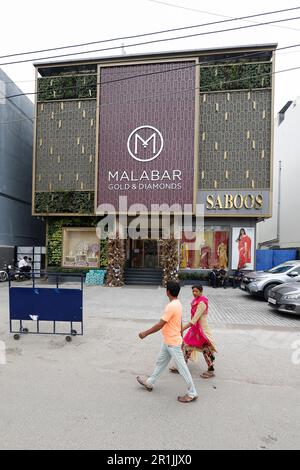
(186, 399)
(174, 370)
(207, 375)
(143, 381)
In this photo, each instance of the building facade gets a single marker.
(17, 226)
(283, 229)
(140, 134)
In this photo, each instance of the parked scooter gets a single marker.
(21, 275)
(14, 274)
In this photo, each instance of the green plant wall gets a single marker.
(235, 77)
(67, 87)
(65, 202)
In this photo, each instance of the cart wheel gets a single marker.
(25, 331)
(73, 332)
(68, 339)
(16, 337)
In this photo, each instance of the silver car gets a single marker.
(286, 298)
(260, 283)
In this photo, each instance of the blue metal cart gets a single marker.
(38, 305)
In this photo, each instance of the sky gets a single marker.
(34, 25)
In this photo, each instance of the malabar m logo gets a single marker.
(145, 143)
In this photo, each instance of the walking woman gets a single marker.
(199, 338)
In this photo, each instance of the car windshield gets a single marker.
(279, 269)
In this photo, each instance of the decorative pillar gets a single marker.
(170, 260)
(116, 262)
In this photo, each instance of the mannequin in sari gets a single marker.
(205, 257)
(184, 255)
(222, 254)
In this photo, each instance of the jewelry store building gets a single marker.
(189, 128)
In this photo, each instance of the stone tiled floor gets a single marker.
(228, 307)
(235, 307)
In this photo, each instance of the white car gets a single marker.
(260, 283)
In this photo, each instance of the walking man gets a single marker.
(170, 324)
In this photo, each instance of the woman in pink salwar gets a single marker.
(199, 337)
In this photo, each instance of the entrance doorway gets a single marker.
(144, 254)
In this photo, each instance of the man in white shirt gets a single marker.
(23, 265)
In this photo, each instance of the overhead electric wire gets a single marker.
(173, 5)
(200, 64)
(201, 90)
(95, 73)
(123, 38)
(154, 41)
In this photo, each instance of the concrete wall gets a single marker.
(17, 226)
(285, 222)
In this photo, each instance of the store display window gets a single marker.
(81, 248)
(205, 250)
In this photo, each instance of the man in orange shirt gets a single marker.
(170, 324)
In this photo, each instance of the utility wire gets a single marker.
(201, 64)
(201, 90)
(155, 41)
(250, 54)
(209, 13)
(183, 28)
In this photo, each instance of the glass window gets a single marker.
(279, 269)
(81, 248)
(205, 252)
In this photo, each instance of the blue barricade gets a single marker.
(64, 305)
(266, 259)
(44, 304)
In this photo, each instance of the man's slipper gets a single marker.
(186, 399)
(207, 375)
(143, 381)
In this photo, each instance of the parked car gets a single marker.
(260, 283)
(286, 298)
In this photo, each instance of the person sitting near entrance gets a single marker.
(213, 277)
(237, 278)
(223, 279)
(23, 265)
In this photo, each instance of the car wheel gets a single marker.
(267, 291)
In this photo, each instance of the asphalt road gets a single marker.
(84, 394)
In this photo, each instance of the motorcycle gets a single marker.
(21, 275)
(13, 274)
(4, 274)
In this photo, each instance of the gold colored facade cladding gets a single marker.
(235, 146)
(233, 140)
(65, 147)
